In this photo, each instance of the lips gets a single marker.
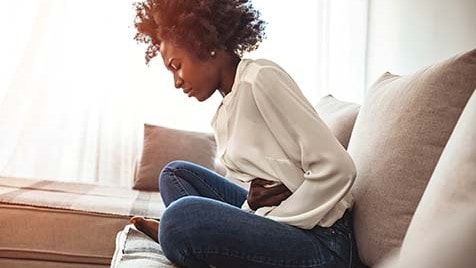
(188, 91)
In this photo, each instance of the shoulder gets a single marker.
(260, 69)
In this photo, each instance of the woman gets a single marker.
(296, 212)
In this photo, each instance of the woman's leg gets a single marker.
(180, 178)
(199, 232)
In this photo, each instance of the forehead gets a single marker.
(165, 50)
(169, 50)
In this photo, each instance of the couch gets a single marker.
(62, 224)
(413, 141)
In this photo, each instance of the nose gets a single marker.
(178, 84)
(178, 81)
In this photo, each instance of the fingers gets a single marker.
(261, 182)
(277, 199)
(272, 190)
(264, 183)
(259, 195)
(278, 189)
(284, 195)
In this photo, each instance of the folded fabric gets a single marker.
(135, 249)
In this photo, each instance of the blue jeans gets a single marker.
(203, 226)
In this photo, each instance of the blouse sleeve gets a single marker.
(329, 171)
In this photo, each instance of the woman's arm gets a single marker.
(329, 171)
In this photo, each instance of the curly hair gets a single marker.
(199, 26)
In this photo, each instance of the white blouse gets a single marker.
(266, 128)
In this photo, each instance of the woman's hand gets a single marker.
(261, 195)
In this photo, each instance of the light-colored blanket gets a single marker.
(80, 197)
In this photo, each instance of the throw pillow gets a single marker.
(339, 116)
(163, 145)
(448, 243)
(398, 137)
(451, 191)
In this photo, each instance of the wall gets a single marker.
(405, 35)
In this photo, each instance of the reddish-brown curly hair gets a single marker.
(199, 26)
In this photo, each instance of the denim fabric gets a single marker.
(203, 226)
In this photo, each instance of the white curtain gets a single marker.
(75, 90)
(66, 101)
(342, 48)
(321, 43)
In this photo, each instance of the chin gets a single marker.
(201, 98)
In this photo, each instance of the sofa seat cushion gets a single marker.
(399, 134)
(67, 222)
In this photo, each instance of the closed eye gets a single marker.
(174, 67)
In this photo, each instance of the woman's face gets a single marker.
(197, 78)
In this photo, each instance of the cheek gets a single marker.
(200, 79)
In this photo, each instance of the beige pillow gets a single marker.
(399, 134)
(339, 116)
(163, 145)
(449, 196)
(449, 243)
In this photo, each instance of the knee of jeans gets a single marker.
(168, 169)
(176, 164)
(178, 224)
(186, 214)
(182, 213)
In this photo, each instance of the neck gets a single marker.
(230, 64)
